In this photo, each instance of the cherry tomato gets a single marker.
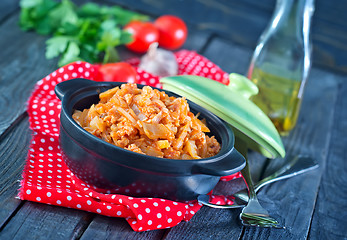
(172, 31)
(118, 72)
(144, 34)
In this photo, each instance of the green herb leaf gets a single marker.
(125, 16)
(56, 46)
(108, 25)
(29, 3)
(63, 14)
(44, 27)
(68, 29)
(90, 32)
(110, 35)
(89, 10)
(41, 10)
(111, 55)
(25, 21)
(34, 13)
(71, 54)
(126, 37)
(89, 53)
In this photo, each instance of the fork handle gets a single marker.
(246, 174)
(241, 146)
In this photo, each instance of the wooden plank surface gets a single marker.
(209, 223)
(39, 221)
(229, 56)
(23, 64)
(115, 228)
(7, 7)
(329, 219)
(13, 151)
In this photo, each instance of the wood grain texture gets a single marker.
(329, 219)
(231, 57)
(13, 152)
(116, 228)
(23, 64)
(7, 7)
(40, 221)
(209, 223)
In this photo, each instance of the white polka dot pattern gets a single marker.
(47, 179)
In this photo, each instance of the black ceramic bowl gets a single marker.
(114, 169)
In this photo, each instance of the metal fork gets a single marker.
(254, 214)
(295, 165)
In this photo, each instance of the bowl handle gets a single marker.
(231, 164)
(72, 85)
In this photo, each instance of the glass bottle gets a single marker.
(281, 62)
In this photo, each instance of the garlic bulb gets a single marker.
(159, 62)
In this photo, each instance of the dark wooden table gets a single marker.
(311, 206)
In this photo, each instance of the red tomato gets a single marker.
(172, 31)
(118, 72)
(144, 34)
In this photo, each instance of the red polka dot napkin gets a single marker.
(46, 178)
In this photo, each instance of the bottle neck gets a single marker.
(292, 17)
(290, 21)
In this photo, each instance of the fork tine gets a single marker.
(258, 218)
(257, 224)
(257, 221)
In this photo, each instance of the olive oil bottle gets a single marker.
(281, 62)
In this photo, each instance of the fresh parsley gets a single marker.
(90, 32)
